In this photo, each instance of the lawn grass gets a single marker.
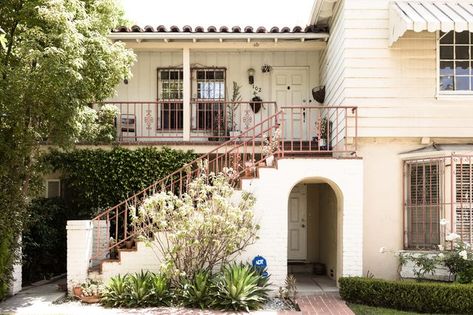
(359, 309)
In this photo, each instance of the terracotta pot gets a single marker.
(77, 291)
(90, 299)
(129, 244)
(270, 160)
(256, 104)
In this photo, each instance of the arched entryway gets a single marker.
(314, 251)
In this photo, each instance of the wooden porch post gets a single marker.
(186, 94)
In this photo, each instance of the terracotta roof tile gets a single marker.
(222, 29)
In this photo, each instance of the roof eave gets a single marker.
(218, 36)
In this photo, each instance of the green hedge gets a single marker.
(423, 297)
(96, 179)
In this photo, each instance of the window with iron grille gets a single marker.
(423, 203)
(170, 94)
(463, 198)
(210, 88)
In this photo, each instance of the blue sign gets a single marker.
(261, 263)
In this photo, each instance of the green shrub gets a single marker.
(241, 287)
(137, 290)
(96, 179)
(198, 291)
(115, 293)
(423, 297)
(5, 266)
(44, 239)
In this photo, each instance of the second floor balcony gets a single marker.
(302, 128)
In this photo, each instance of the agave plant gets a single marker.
(241, 287)
(198, 291)
(139, 289)
(160, 290)
(115, 294)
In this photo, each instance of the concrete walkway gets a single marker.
(33, 298)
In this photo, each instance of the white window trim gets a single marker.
(47, 186)
(447, 95)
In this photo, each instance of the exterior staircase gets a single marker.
(243, 153)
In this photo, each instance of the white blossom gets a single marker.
(440, 247)
(443, 222)
(452, 236)
(463, 254)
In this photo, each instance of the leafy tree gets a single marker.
(55, 59)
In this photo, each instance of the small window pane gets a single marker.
(164, 75)
(446, 52)
(462, 38)
(462, 67)
(447, 39)
(446, 68)
(219, 75)
(446, 83)
(200, 75)
(462, 52)
(462, 83)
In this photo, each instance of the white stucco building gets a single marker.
(373, 100)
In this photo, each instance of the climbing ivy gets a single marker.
(96, 179)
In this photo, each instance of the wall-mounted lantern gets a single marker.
(251, 76)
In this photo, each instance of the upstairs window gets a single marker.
(170, 93)
(456, 73)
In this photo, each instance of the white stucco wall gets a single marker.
(272, 189)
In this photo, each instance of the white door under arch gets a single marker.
(297, 223)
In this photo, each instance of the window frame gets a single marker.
(54, 180)
(202, 121)
(160, 125)
(455, 93)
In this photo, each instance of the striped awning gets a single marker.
(429, 16)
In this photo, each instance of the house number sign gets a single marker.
(261, 263)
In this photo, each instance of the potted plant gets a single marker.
(232, 108)
(249, 168)
(325, 131)
(257, 102)
(129, 243)
(89, 291)
(271, 145)
(113, 249)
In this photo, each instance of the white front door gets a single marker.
(297, 218)
(289, 86)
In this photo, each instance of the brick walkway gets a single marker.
(326, 304)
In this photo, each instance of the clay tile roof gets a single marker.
(261, 29)
(199, 29)
(248, 29)
(135, 28)
(236, 29)
(222, 29)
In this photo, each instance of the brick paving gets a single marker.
(326, 304)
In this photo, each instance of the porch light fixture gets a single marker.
(251, 76)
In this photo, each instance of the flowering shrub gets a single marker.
(92, 288)
(202, 228)
(271, 144)
(457, 258)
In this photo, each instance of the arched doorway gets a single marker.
(314, 249)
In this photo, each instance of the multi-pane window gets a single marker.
(456, 73)
(210, 86)
(170, 94)
(423, 203)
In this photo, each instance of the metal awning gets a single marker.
(429, 16)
